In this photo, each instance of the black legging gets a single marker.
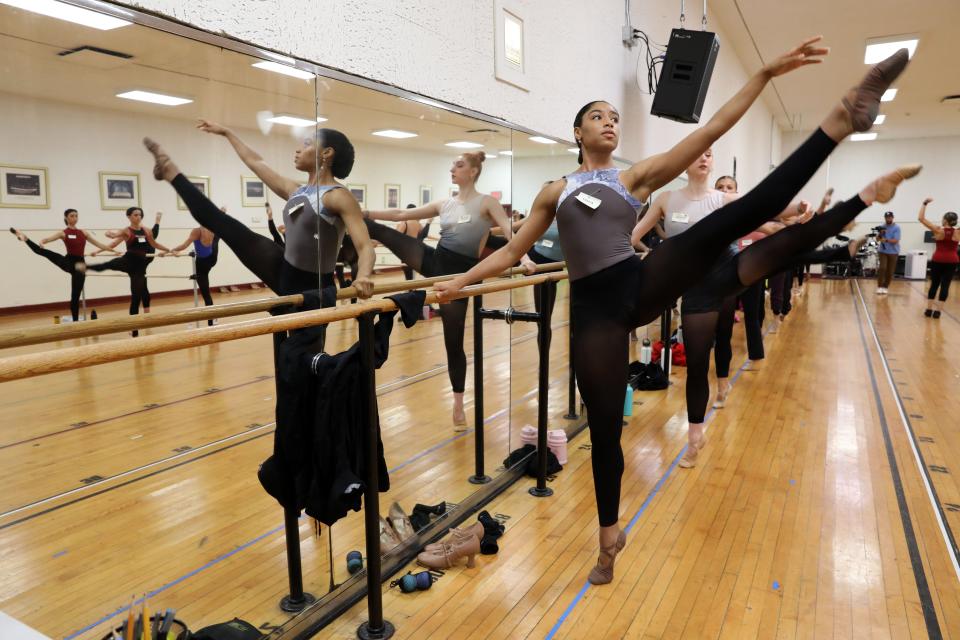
(430, 262)
(608, 304)
(65, 263)
(752, 300)
(941, 275)
(135, 266)
(259, 254)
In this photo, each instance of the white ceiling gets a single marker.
(802, 98)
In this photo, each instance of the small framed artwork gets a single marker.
(426, 194)
(23, 187)
(454, 192)
(202, 183)
(359, 191)
(253, 193)
(119, 190)
(391, 196)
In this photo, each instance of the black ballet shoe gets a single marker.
(491, 526)
(865, 105)
(928, 312)
(936, 315)
(436, 509)
(489, 546)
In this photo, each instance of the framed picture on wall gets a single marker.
(391, 196)
(253, 193)
(454, 192)
(426, 194)
(23, 187)
(359, 191)
(203, 184)
(119, 190)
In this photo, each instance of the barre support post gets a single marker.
(544, 331)
(572, 376)
(479, 477)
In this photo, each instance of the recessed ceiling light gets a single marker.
(862, 137)
(888, 95)
(394, 133)
(463, 144)
(542, 140)
(574, 150)
(490, 155)
(276, 67)
(880, 118)
(294, 121)
(506, 153)
(155, 98)
(882, 48)
(70, 13)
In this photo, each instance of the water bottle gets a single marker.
(628, 402)
(646, 351)
(93, 314)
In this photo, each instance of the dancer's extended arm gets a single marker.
(280, 185)
(429, 210)
(343, 203)
(922, 217)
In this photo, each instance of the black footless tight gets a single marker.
(135, 266)
(430, 262)
(941, 275)
(65, 263)
(611, 302)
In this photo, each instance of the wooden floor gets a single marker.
(790, 526)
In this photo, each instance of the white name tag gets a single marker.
(547, 243)
(463, 218)
(296, 208)
(682, 218)
(746, 242)
(141, 239)
(589, 200)
(72, 237)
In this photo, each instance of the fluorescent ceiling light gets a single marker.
(880, 119)
(155, 98)
(888, 95)
(542, 140)
(70, 13)
(506, 153)
(394, 133)
(276, 67)
(294, 121)
(882, 48)
(861, 137)
(490, 155)
(463, 144)
(574, 150)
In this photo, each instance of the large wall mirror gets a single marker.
(207, 540)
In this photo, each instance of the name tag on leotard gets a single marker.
(682, 218)
(589, 200)
(296, 208)
(464, 218)
(141, 239)
(72, 237)
(746, 243)
(547, 243)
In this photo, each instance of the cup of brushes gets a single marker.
(143, 626)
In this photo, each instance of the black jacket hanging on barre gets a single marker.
(319, 461)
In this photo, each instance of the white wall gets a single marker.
(75, 143)
(854, 164)
(445, 50)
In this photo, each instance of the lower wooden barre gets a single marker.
(36, 364)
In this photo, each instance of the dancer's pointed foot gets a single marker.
(863, 101)
(20, 236)
(855, 246)
(164, 169)
(885, 187)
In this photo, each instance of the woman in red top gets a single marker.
(76, 241)
(944, 262)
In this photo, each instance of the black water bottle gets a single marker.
(93, 314)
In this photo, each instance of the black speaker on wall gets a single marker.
(685, 77)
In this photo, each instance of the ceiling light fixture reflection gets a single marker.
(506, 153)
(294, 121)
(463, 144)
(394, 133)
(154, 98)
(70, 13)
(863, 137)
(276, 67)
(880, 118)
(888, 95)
(542, 140)
(882, 48)
(490, 155)
(574, 150)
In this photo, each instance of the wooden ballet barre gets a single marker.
(69, 358)
(40, 335)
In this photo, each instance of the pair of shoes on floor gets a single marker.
(395, 528)
(556, 441)
(721, 400)
(936, 315)
(481, 537)
(601, 574)
(424, 514)
(689, 459)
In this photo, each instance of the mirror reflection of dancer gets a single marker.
(316, 215)
(76, 241)
(614, 291)
(206, 250)
(113, 234)
(943, 263)
(465, 222)
(134, 261)
(276, 231)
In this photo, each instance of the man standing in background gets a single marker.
(888, 252)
